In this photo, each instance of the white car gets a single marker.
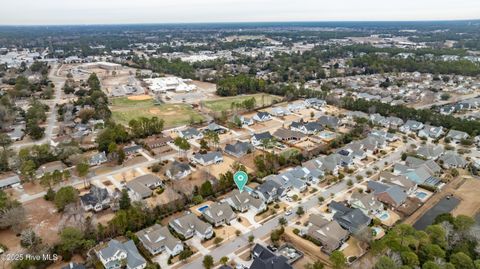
(288, 213)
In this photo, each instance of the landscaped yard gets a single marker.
(124, 110)
(225, 103)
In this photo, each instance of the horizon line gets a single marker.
(237, 22)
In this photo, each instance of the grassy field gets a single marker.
(124, 110)
(226, 102)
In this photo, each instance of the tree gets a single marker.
(120, 156)
(251, 238)
(410, 258)
(206, 189)
(124, 201)
(82, 170)
(300, 211)
(224, 260)
(430, 265)
(282, 221)
(217, 241)
(207, 262)
(337, 259)
(5, 141)
(430, 252)
(385, 263)
(12, 217)
(185, 254)
(182, 144)
(463, 223)
(65, 196)
(72, 241)
(462, 261)
(28, 239)
(437, 235)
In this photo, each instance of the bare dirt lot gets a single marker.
(470, 202)
(186, 185)
(43, 218)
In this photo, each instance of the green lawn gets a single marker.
(226, 102)
(124, 110)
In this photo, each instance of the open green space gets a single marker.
(225, 103)
(124, 110)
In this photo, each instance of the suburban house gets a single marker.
(208, 158)
(308, 128)
(419, 171)
(262, 116)
(157, 141)
(329, 164)
(96, 199)
(141, 187)
(258, 138)
(219, 214)
(400, 180)
(366, 202)
(306, 174)
(452, 160)
(118, 255)
(263, 258)
(385, 135)
(177, 170)
(190, 225)
(17, 133)
(352, 115)
(213, 127)
(329, 121)
(9, 181)
(329, 233)
(430, 151)
(132, 150)
(315, 103)
(239, 149)
(280, 111)
(394, 122)
(246, 121)
(391, 195)
(429, 131)
(351, 219)
(157, 239)
(287, 135)
(457, 136)
(242, 202)
(411, 126)
(98, 159)
(49, 168)
(190, 133)
(288, 181)
(295, 107)
(269, 191)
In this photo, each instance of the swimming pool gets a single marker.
(384, 216)
(201, 209)
(421, 195)
(376, 230)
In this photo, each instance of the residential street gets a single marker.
(266, 228)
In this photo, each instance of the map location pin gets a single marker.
(240, 178)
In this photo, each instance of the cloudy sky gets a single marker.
(181, 11)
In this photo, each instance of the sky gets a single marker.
(45, 12)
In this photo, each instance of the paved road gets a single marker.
(77, 181)
(312, 201)
(58, 81)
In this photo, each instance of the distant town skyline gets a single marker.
(59, 12)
